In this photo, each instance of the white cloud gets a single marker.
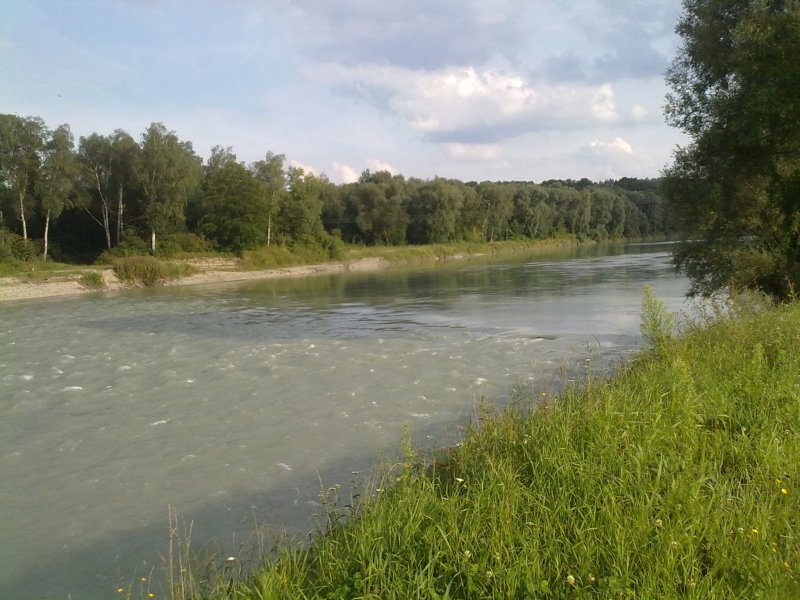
(464, 105)
(616, 146)
(473, 152)
(343, 173)
(375, 165)
(639, 112)
(306, 168)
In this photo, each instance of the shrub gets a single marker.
(92, 279)
(144, 270)
(132, 246)
(657, 324)
(173, 244)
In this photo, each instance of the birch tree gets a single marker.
(56, 177)
(168, 171)
(21, 141)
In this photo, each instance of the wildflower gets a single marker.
(754, 531)
(151, 595)
(497, 557)
(674, 544)
(777, 481)
(784, 491)
(489, 574)
(230, 558)
(659, 523)
(591, 578)
(570, 580)
(467, 553)
(459, 480)
(144, 578)
(120, 590)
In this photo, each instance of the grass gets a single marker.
(277, 256)
(678, 478)
(149, 271)
(92, 280)
(419, 254)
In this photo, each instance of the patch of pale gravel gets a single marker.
(12, 288)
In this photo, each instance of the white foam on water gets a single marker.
(72, 388)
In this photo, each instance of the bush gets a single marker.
(149, 271)
(174, 244)
(92, 279)
(144, 270)
(15, 247)
(132, 246)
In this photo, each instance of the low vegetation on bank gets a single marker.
(677, 478)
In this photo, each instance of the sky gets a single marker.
(470, 89)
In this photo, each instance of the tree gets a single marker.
(56, 177)
(235, 209)
(433, 212)
(269, 172)
(736, 187)
(21, 141)
(300, 211)
(168, 171)
(125, 154)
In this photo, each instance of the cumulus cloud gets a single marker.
(375, 165)
(306, 168)
(615, 146)
(464, 105)
(473, 152)
(343, 173)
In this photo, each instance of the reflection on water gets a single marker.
(228, 402)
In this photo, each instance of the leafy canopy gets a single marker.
(736, 187)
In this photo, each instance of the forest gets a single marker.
(110, 196)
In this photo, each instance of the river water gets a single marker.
(234, 403)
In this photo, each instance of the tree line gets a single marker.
(115, 194)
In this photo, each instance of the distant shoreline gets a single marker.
(13, 288)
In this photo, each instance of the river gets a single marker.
(234, 403)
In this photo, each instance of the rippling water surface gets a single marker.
(231, 403)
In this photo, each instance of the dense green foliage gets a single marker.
(676, 479)
(118, 197)
(736, 187)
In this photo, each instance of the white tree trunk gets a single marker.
(153, 241)
(22, 216)
(269, 229)
(119, 216)
(46, 232)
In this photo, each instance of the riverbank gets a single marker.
(678, 478)
(71, 282)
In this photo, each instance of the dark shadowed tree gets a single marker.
(736, 187)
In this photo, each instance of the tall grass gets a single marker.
(149, 271)
(679, 478)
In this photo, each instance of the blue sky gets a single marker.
(471, 89)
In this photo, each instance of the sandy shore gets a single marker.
(13, 288)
